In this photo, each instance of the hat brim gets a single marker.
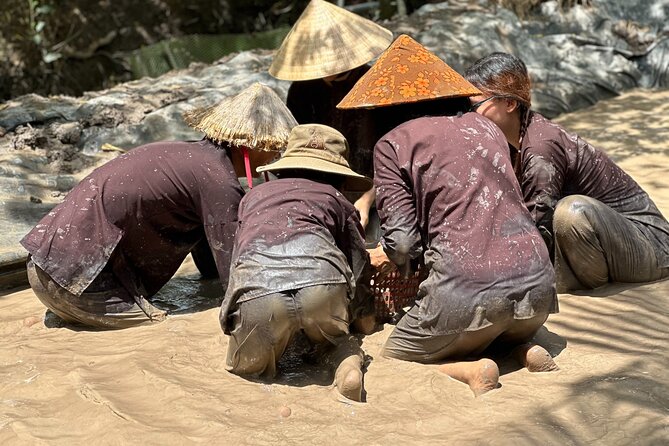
(354, 181)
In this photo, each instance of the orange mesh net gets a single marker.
(392, 293)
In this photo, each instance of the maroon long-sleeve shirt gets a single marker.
(294, 233)
(315, 102)
(152, 205)
(446, 190)
(555, 163)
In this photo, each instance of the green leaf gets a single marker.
(39, 26)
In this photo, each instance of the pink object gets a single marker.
(247, 166)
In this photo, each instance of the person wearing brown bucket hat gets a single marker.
(99, 257)
(598, 222)
(325, 54)
(448, 199)
(299, 262)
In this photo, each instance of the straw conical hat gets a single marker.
(256, 118)
(328, 40)
(406, 72)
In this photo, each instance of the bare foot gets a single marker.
(482, 376)
(535, 358)
(348, 378)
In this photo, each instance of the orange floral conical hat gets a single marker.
(406, 72)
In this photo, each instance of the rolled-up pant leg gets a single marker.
(263, 327)
(104, 304)
(595, 245)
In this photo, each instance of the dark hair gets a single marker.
(505, 75)
(334, 180)
(387, 118)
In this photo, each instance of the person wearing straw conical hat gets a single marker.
(600, 224)
(447, 196)
(299, 262)
(324, 54)
(98, 258)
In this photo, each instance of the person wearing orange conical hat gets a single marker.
(324, 54)
(600, 224)
(447, 196)
(99, 258)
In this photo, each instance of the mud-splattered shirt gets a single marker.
(315, 102)
(152, 205)
(294, 233)
(446, 190)
(555, 163)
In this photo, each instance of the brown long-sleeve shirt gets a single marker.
(555, 163)
(150, 206)
(446, 190)
(315, 102)
(294, 233)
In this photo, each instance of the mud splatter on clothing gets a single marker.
(145, 210)
(446, 192)
(555, 163)
(296, 233)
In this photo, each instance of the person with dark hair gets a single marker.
(97, 258)
(299, 263)
(326, 52)
(599, 223)
(446, 195)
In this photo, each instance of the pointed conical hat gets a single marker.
(406, 72)
(256, 118)
(327, 40)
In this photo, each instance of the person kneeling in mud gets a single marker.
(299, 262)
(447, 195)
(98, 258)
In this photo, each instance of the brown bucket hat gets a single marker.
(255, 118)
(320, 148)
(407, 72)
(327, 40)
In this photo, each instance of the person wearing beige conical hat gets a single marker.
(299, 262)
(324, 54)
(255, 121)
(448, 198)
(99, 258)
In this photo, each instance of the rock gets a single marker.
(575, 58)
(35, 200)
(285, 411)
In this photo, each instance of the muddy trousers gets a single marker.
(595, 245)
(262, 328)
(104, 304)
(409, 342)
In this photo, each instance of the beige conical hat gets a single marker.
(256, 118)
(327, 40)
(406, 72)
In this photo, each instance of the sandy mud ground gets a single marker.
(166, 383)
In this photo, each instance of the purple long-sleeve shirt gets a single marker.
(152, 205)
(446, 190)
(555, 163)
(294, 233)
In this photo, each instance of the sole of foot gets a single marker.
(482, 376)
(536, 359)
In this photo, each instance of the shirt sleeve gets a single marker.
(542, 180)
(220, 226)
(397, 209)
(353, 242)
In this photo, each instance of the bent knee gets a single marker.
(571, 215)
